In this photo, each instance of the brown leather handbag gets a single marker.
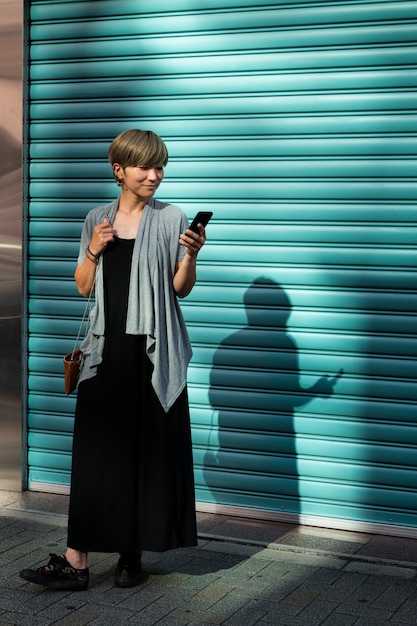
(73, 360)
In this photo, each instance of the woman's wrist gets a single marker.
(190, 259)
(94, 254)
(94, 258)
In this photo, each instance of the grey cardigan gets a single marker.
(153, 308)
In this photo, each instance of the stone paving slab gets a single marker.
(242, 573)
(216, 583)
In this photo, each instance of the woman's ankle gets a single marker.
(76, 558)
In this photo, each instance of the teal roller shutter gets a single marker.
(295, 123)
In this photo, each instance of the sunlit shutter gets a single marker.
(295, 124)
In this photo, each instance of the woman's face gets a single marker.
(142, 181)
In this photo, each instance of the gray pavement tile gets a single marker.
(213, 592)
(224, 547)
(7, 531)
(380, 570)
(316, 542)
(106, 614)
(11, 536)
(19, 619)
(173, 560)
(247, 615)
(206, 521)
(265, 532)
(194, 624)
(247, 568)
(18, 599)
(230, 603)
(210, 561)
(44, 600)
(407, 612)
(395, 548)
(154, 612)
(285, 620)
(199, 567)
(98, 589)
(300, 598)
(113, 596)
(237, 584)
(276, 616)
(171, 579)
(62, 609)
(369, 621)
(269, 594)
(12, 619)
(284, 577)
(187, 615)
(169, 620)
(80, 618)
(274, 607)
(193, 584)
(102, 567)
(22, 545)
(372, 589)
(342, 599)
(317, 611)
(254, 572)
(8, 497)
(348, 582)
(333, 533)
(142, 599)
(197, 582)
(320, 579)
(395, 595)
(253, 589)
(191, 604)
(296, 621)
(34, 501)
(363, 610)
(301, 558)
(340, 620)
(32, 559)
(31, 524)
(292, 578)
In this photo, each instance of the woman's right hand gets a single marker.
(102, 234)
(85, 273)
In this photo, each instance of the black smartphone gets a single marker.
(203, 218)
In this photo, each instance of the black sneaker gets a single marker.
(59, 574)
(127, 572)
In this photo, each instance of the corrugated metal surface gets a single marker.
(295, 123)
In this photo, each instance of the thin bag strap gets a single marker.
(83, 318)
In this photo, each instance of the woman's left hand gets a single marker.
(192, 241)
(185, 270)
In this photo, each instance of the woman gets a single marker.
(132, 480)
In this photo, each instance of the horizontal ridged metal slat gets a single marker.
(295, 122)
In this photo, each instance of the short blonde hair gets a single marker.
(138, 147)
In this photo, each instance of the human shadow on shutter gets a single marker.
(254, 390)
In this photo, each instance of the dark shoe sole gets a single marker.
(127, 582)
(48, 581)
(124, 578)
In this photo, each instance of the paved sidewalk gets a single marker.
(243, 572)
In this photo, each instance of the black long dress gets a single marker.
(132, 480)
